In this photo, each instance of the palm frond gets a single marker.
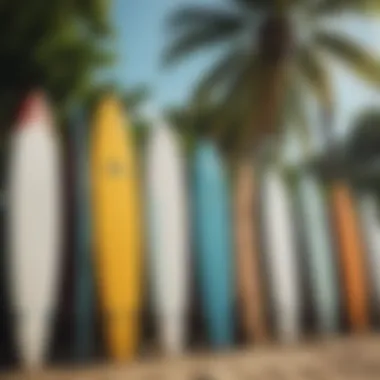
(224, 119)
(268, 5)
(295, 111)
(255, 4)
(329, 7)
(220, 75)
(198, 38)
(357, 58)
(135, 97)
(238, 107)
(312, 69)
(201, 16)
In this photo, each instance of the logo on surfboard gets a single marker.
(115, 169)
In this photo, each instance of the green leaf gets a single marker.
(310, 66)
(255, 4)
(357, 58)
(268, 5)
(237, 108)
(220, 75)
(52, 44)
(295, 111)
(96, 14)
(328, 7)
(196, 39)
(136, 96)
(201, 17)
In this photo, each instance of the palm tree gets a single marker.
(56, 45)
(273, 49)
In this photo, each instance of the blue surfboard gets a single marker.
(83, 271)
(320, 254)
(214, 243)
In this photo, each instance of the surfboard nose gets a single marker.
(34, 109)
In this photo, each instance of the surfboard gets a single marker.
(169, 244)
(83, 278)
(214, 243)
(370, 222)
(351, 255)
(116, 228)
(281, 255)
(34, 227)
(319, 252)
(249, 279)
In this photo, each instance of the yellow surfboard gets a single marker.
(116, 228)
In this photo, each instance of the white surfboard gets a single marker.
(34, 195)
(281, 255)
(169, 253)
(370, 221)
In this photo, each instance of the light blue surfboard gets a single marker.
(319, 252)
(213, 243)
(83, 271)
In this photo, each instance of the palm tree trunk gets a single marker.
(274, 52)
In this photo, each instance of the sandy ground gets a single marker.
(347, 358)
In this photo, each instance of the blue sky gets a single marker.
(141, 39)
(141, 36)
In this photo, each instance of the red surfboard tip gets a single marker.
(34, 108)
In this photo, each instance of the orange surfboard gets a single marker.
(246, 242)
(351, 255)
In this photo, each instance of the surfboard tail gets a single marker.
(351, 252)
(249, 282)
(84, 312)
(122, 337)
(221, 330)
(319, 253)
(327, 314)
(288, 328)
(32, 339)
(84, 337)
(172, 334)
(358, 315)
